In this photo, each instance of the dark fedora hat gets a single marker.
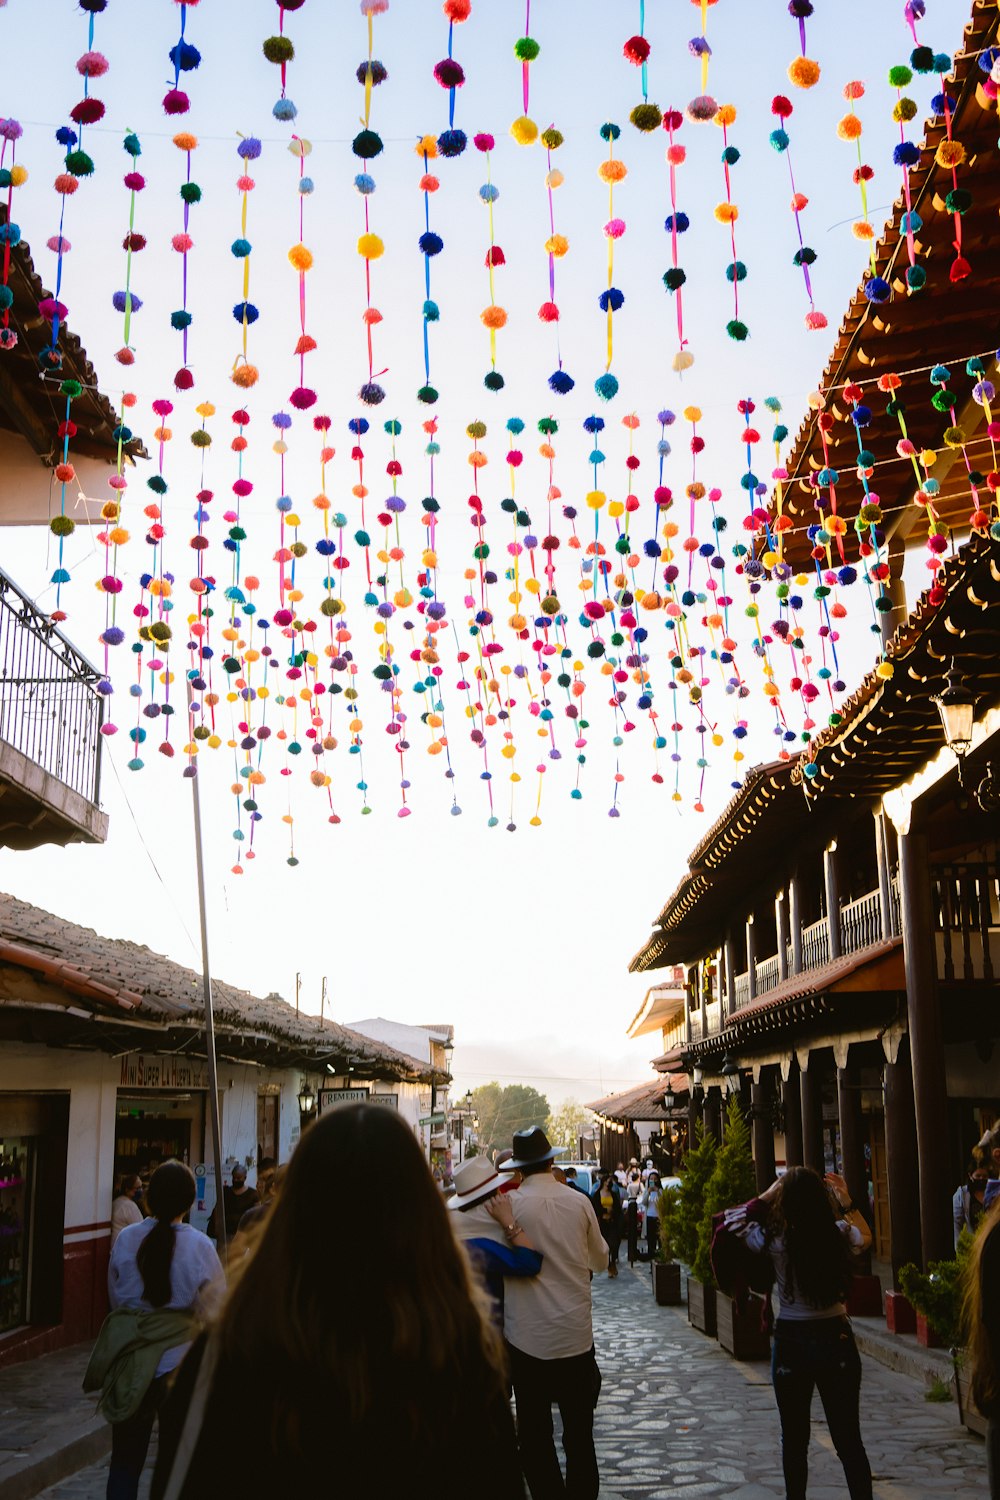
(531, 1148)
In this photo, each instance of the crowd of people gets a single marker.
(456, 1306)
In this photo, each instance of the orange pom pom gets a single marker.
(612, 170)
(494, 316)
(725, 114)
(65, 473)
(849, 128)
(301, 258)
(726, 213)
(245, 376)
(185, 141)
(803, 72)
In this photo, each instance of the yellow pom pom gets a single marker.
(557, 245)
(205, 409)
(849, 128)
(682, 360)
(554, 179)
(427, 146)
(616, 509)
(863, 230)
(725, 114)
(18, 175)
(370, 246)
(596, 499)
(494, 316)
(524, 131)
(692, 413)
(928, 458)
(885, 670)
(612, 170)
(803, 72)
(302, 259)
(726, 213)
(950, 154)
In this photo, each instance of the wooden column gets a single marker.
(751, 958)
(900, 1156)
(852, 1139)
(763, 1131)
(781, 928)
(730, 972)
(884, 876)
(713, 1113)
(923, 1009)
(832, 899)
(792, 1100)
(795, 921)
(811, 1090)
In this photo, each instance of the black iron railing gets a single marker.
(50, 709)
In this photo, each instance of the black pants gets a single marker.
(572, 1385)
(632, 1229)
(652, 1234)
(819, 1353)
(612, 1238)
(130, 1444)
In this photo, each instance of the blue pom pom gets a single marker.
(245, 310)
(6, 298)
(730, 156)
(828, 476)
(593, 424)
(561, 383)
(612, 298)
(877, 289)
(118, 301)
(281, 420)
(489, 192)
(241, 248)
(805, 256)
(452, 142)
(906, 154)
(184, 57)
(10, 234)
(371, 393)
(306, 186)
(663, 448)
(911, 223)
(651, 548)
(737, 271)
(358, 425)
(986, 59)
(65, 136)
(610, 132)
(249, 149)
(674, 279)
(779, 140)
(940, 375)
(847, 575)
(430, 243)
(861, 416)
(431, 312)
(606, 386)
(180, 319)
(283, 504)
(284, 109)
(60, 576)
(364, 183)
(940, 101)
(679, 222)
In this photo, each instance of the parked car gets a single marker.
(587, 1173)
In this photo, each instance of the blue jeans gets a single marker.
(819, 1353)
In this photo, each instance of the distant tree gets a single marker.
(567, 1124)
(501, 1111)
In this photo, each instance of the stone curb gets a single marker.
(904, 1356)
(57, 1460)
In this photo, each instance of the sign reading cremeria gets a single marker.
(139, 1072)
(332, 1098)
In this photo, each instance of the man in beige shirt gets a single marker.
(548, 1326)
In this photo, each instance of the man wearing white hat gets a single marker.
(487, 1226)
(548, 1327)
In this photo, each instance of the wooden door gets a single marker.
(267, 1126)
(880, 1187)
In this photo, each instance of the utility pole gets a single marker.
(322, 1001)
(298, 986)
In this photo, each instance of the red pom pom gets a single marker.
(183, 380)
(549, 312)
(672, 119)
(305, 344)
(87, 112)
(863, 174)
(632, 462)
(134, 242)
(302, 398)
(241, 417)
(781, 106)
(495, 256)
(176, 102)
(937, 596)
(449, 73)
(125, 356)
(663, 496)
(636, 50)
(960, 269)
(67, 429)
(825, 421)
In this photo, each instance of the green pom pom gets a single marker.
(62, 526)
(201, 439)
(366, 144)
(900, 76)
(71, 388)
(132, 146)
(427, 394)
(737, 330)
(526, 49)
(647, 117)
(160, 631)
(79, 164)
(278, 49)
(190, 192)
(552, 139)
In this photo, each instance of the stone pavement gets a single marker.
(48, 1427)
(679, 1417)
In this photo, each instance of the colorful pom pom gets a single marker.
(606, 386)
(524, 131)
(803, 72)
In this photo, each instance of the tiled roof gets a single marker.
(644, 1102)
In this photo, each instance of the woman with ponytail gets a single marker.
(981, 1320)
(161, 1275)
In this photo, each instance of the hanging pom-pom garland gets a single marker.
(610, 172)
(430, 245)
(727, 213)
(702, 107)
(451, 76)
(804, 256)
(12, 175)
(184, 58)
(493, 317)
(849, 129)
(63, 525)
(906, 155)
(803, 72)
(556, 246)
(280, 50)
(526, 49)
(645, 116)
(367, 144)
(301, 260)
(244, 374)
(676, 224)
(182, 243)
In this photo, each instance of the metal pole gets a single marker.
(206, 970)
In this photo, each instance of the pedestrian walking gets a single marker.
(810, 1232)
(486, 1225)
(633, 1196)
(981, 1319)
(163, 1275)
(346, 1358)
(607, 1201)
(126, 1207)
(651, 1208)
(549, 1330)
(236, 1200)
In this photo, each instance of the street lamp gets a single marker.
(731, 1073)
(669, 1098)
(956, 705)
(307, 1098)
(448, 1048)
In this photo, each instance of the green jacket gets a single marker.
(129, 1347)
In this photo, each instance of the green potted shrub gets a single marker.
(742, 1333)
(666, 1271)
(936, 1295)
(685, 1207)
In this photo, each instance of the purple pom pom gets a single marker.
(249, 149)
(396, 504)
(281, 419)
(118, 301)
(371, 393)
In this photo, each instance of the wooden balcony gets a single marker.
(967, 922)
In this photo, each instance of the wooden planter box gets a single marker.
(741, 1334)
(667, 1283)
(899, 1314)
(970, 1415)
(926, 1337)
(701, 1306)
(864, 1300)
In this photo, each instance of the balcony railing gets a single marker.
(861, 922)
(967, 919)
(50, 709)
(768, 974)
(741, 991)
(816, 945)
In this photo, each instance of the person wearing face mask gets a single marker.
(969, 1202)
(236, 1200)
(127, 1206)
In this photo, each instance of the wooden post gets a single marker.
(763, 1132)
(729, 969)
(884, 876)
(832, 899)
(795, 921)
(713, 1113)
(811, 1090)
(751, 959)
(852, 1141)
(900, 1156)
(781, 928)
(792, 1100)
(926, 1031)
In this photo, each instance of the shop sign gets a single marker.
(388, 1101)
(332, 1098)
(140, 1072)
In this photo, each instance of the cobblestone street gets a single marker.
(676, 1414)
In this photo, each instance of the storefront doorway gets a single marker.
(34, 1131)
(151, 1128)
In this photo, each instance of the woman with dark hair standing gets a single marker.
(810, 1231)
(607, 1201)
(981, 1320)
(160, 1273)
(347, 1355)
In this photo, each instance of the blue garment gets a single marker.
(495, 1261)
(820, 1353)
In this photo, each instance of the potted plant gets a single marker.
(684, 1211)
(742, 1330)
(666, 1271)
(937, 1297)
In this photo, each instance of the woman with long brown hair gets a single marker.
(349, 1356)
(981, 1322)
(810, 1232)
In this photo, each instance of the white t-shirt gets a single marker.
(196, 1276)
(548, 1316)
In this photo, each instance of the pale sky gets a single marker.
(521, 939)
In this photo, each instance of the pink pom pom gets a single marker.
(815, 319)
(8, 338)
(92, 65)
(242, 488)
(162, 407)
(109, 728)
(614, 229)
(676, 155)
(374, 7)
(118, 482)
(125, 356)
(549, 312)
(302, 398)
(134, 181)
(662, 495)
(245, 184)
(176, 102)
(483, 141)
(182, 243)
(59, 244)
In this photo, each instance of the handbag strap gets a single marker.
(193, 1420)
